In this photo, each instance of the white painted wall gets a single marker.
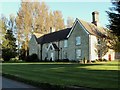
(93, 54)
(33, 46)
(110, 52)
(92, 41)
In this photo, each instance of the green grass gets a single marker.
(97, 75)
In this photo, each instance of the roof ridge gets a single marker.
(57, 31)
(54, 36)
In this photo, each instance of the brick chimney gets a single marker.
(95, 17)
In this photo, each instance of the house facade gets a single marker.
(75, 43)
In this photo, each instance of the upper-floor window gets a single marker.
(65, 43)
(78, 40)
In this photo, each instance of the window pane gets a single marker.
(65, 43)
(78, 53)
(78, 40)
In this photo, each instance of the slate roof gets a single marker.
(62, 34)
(55, 36)
(93, 29)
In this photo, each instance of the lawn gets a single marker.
(97, 75)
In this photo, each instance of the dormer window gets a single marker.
(65, 43)
(78, 40)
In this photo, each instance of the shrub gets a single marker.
(73, 61)
(105, 60)
(63, 60)
(32, 58)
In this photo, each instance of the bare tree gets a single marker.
(70, 22)
(58, 20)
(35, 17)
(3, 27)
(101, 48)
(24, 23)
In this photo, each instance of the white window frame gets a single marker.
(78, 40)
(78, 53)
(65, 43)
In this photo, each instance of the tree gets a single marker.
(3, 27)
(24, 23)
(70, 22)
(113, 42)
(9, 41)
(9, 46)
(114, 25)
(34, 17)
(58, 20)
(101, 47)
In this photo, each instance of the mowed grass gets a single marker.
(97, 75)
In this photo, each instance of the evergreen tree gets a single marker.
(8, 41)
(9, 46)
(114, 25)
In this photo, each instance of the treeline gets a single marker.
(32, 17)
(36, 17)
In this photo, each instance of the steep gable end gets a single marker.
(74, 25)
(33, 40)
(89, 28)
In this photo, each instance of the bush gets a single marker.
(73, 61)
(93, 61)
(62, 60)
(1, 60)
(32, 58)
(105, 60)
(7, 54)
(14, 59)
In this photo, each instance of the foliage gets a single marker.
(70, 22)
(22, 54)
(9, 46)
(3, 26)
(113, 42)
(114, 25)
(34, 17)
(58, 20)
(101, 48)
(9, 41)
(32, 58)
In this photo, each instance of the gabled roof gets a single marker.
(89, 28)
(55, 36)
(93, 29)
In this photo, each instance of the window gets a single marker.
(65, 43)
(65, 55)
(78, 41)
(78, 53)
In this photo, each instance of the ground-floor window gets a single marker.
(65, 55)
(78, 53)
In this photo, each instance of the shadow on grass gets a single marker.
(70, 69)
